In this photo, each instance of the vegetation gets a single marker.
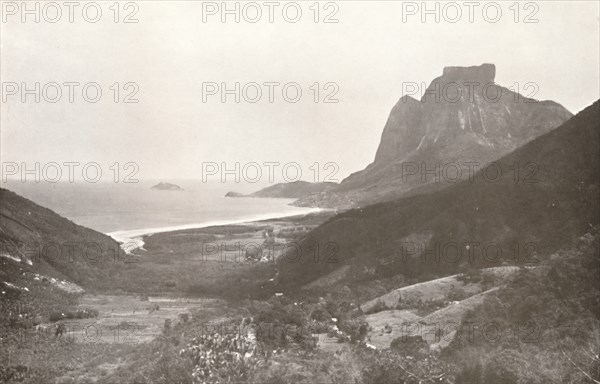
(73, 314)
(544, 327)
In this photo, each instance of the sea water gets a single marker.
(125, 211)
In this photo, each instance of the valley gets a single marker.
(369, 294)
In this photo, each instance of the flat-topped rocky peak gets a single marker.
(484, 73)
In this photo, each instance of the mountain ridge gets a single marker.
(291, 190)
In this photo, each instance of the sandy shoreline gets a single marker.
(134, 238)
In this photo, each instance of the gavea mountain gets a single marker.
(463, 121)
(518, 219)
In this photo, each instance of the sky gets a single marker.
(178, 55)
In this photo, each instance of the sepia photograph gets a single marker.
(300, 192)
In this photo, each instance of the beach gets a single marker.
(134, 239)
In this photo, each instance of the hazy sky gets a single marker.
(170, 52)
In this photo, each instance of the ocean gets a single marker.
(127, 211)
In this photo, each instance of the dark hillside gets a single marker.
(48, 243)
(553, 200)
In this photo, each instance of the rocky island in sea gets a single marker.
(167, 187)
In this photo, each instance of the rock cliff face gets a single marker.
(463, 120)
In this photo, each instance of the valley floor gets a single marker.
(181, 280)
(200, 307)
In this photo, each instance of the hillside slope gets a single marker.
(52, 245)
(516, 219)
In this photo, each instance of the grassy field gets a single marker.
(441, 289)
(432, 310)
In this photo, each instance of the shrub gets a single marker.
(378, 307)
(319, 314)
(498, 373)
(410, 346)
(356, 329)
(55, 316)
(456, 294)
(70, 314)
(472, 276)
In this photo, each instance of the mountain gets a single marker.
(167, 187)
(546, 197)
(39, 240)
(463, 121)
(294, 190)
